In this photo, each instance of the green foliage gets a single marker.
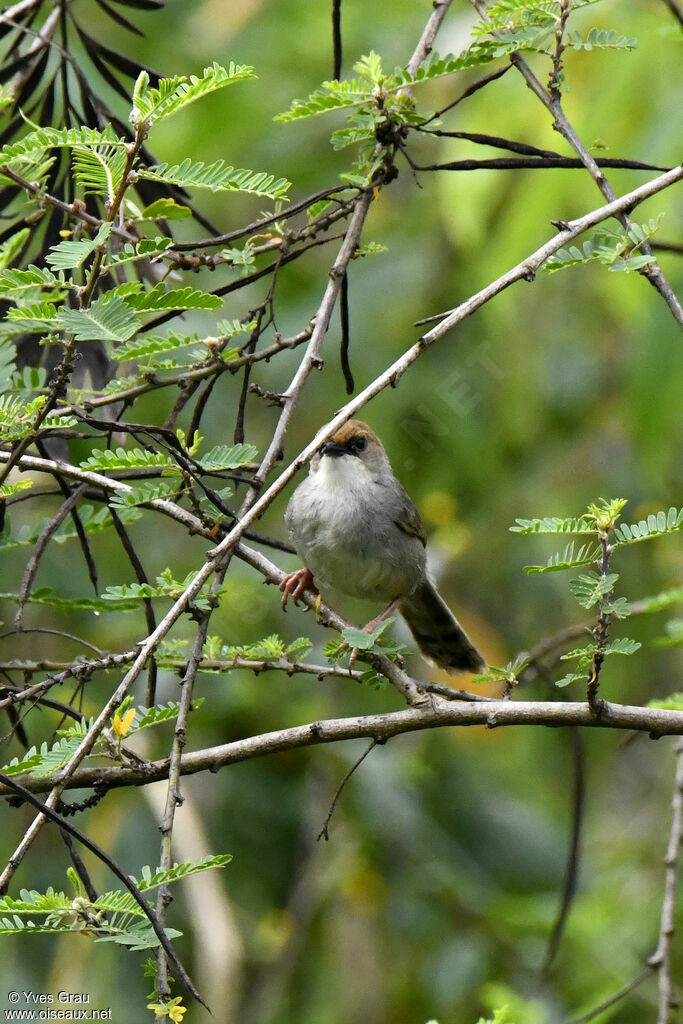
(224, 456)
(270, 648)
(600, 39)
(595, 589)
(72, 253)
(590, 588)
(15, 283)
(509, 673)
(531, 25)
(145, 249)
(158, 715)
(554, 524)
(658, 602)
(92, 521)
(149, 345)
(158, 299)
(165, 209)
(34, 145)
(586, 657)
(142, 494)
(616, 250)
(523, 465)
(674, 702)
(99, 170)
(218, 177)
(107, 460)
(166, 586)
(7, 371)
(38, 316)
(11, 248)
(655, 525)
(364, 644)
(43, 762)
(47, 596)
(567, 559)
(174, 94)
(7, 490)
(674, 634)
(107, 319)
(18, 415)
(113, 916)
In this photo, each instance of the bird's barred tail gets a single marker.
(438, 633)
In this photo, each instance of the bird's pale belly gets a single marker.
(356, 554)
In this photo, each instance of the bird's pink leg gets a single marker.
(294, 584)
(383, 615)
(374, 623)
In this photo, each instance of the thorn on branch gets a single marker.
(272, 397)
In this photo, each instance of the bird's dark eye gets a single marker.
(358, 445)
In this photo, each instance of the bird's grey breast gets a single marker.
(342, 521)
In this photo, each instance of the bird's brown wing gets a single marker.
(408, 519)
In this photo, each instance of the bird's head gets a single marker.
(354, 445)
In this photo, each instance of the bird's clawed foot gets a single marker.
(371, 627)
(294, 584)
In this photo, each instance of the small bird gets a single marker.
(357, 531)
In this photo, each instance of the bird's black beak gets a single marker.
(333, 449)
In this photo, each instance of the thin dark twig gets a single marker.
(47, 702)
(200, 406)
(345, 338)
(667, 246)
(256, 275)
(238, 435)
(53, 632)
(541, 163)
(39, 549)
(66, 826)
(150, 618)
(450, 694)
(76, 520)
(336, 39)
(470, 91)
(79, 866)
(264, 222)
(675, 10)
(324, 831)
(611, 1000)
(496, 141)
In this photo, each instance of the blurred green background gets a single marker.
(435, 896)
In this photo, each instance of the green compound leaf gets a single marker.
(590, 588)
(655, 525)
(174, 94)
(218, 177)
(159, 299)
(108, 319)
(108, 460)
(225, 456)
(567, 559)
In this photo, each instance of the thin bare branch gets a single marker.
(660, 961)
(439, 714)
(324, 831)
(552, 100)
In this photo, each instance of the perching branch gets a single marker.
(382, 727)
(660, 961)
